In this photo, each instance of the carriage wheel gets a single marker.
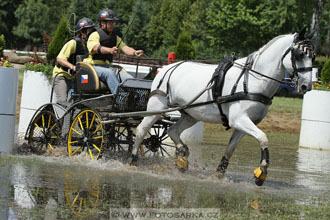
(82, 201)
(158, 143)
(45, 132)
(86, 134)
(122, 139)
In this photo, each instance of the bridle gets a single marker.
(298, 51)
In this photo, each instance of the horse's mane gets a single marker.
(257, 54)
(270, 43)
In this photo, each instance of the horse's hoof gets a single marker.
(182, 164)
(260, 176)
(217, 175)
(133, 161)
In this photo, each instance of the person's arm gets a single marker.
(97, 48)
(66, 63)
(68, 49)
(131, 51)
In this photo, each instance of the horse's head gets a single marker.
(298, 61)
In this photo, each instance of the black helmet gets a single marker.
(107, 15)
(84, 23)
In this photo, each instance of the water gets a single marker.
(59, 187)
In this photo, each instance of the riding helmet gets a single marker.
(107, 15)
(84, 23)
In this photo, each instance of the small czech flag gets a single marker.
(103, 15)
(81, 24)
(84, 78)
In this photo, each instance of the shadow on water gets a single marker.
(59, 187)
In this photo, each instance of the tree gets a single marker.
(316, 21)
(137, 26)
(165, 26)
(325, 73)
(184, 49)
(195, 23)
(89, 9)
(8, 20)
(36, 17)
(62, 34)
(244, 25)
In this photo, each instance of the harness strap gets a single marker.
(157, 92)
(244, 96)
(219, 79)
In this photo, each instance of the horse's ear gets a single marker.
(302, 33)
(311, 34)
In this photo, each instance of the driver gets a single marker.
(66, 59)
(102, 45)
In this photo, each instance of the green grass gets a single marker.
(287, 105)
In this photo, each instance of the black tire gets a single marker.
(45, 132)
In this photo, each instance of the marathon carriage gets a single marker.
(90, 124)
(236, 93)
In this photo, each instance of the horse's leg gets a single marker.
(182, 152)
(234, 140)
(244, 124)
(155, 103)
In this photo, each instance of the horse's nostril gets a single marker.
(303, 88)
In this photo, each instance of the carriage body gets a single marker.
(81, 127)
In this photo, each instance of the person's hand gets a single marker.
(139, 53)
(113, 50)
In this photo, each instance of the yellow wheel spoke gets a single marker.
(43, 120)
(90, 126)
(74, 152)
(73, 142)
(53, 137)
(87, 120)
(74, 200)
(50, 116)
(96, 148)
(81, 126)
(98, 137)
(90, 152)
(86, 208)
(38, 127)
(52, 127)
(98, 127)
(51, 147)
(76, 131)
(80, 204)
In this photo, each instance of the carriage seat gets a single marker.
(87, 79)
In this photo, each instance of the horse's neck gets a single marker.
(268, 62)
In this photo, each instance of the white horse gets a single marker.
(179, 83)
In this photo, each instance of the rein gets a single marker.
(263, 75)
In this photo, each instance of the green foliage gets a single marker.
(319, 62)
(325, 73)
(89, 9)
(5, 63)
(165, 25)
(217, 27)
(2, 44)
(32, 22)
(7, 14)
(184, 48)
(243, 26)
(46, 69)
(137, 26)
(62, 34)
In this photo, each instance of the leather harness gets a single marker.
(217, 82)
